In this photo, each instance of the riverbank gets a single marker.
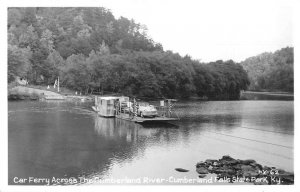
(271, 93)
(255, 95)
(33, 92)
(28, 93)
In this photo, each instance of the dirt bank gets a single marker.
(27, 93)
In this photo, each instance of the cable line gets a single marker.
(259, 129)
(289, 147)
(266, 130)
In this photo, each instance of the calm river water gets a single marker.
(66, 139)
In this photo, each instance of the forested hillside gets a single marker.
(271, 71)
(92, 51)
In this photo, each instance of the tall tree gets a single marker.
(18, 62)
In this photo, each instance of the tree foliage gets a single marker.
(271, 71)
(18, 62)
(93, 52)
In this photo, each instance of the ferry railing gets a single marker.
(164, 111)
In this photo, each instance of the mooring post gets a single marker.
(134, 107)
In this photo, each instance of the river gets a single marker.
(66, 139)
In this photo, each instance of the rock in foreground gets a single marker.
(181, 170)
(228, 168)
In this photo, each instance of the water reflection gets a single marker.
(61, 139)
(113, 128)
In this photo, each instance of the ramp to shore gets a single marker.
(21, 90)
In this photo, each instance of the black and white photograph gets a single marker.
(149, 93)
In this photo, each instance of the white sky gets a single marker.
(212, 30)
(207, 30)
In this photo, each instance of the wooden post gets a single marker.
(169, 107)
(58, 84)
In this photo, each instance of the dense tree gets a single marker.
(18, 62)
(93, 52)
(271, 71)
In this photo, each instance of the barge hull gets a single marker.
(143, 119)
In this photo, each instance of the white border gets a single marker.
(124, 188)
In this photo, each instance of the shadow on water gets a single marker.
(117, 128)
(153, 125)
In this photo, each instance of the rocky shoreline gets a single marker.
(232, 170)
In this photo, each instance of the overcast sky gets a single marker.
(212, 30)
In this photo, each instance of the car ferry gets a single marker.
(129, 109)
